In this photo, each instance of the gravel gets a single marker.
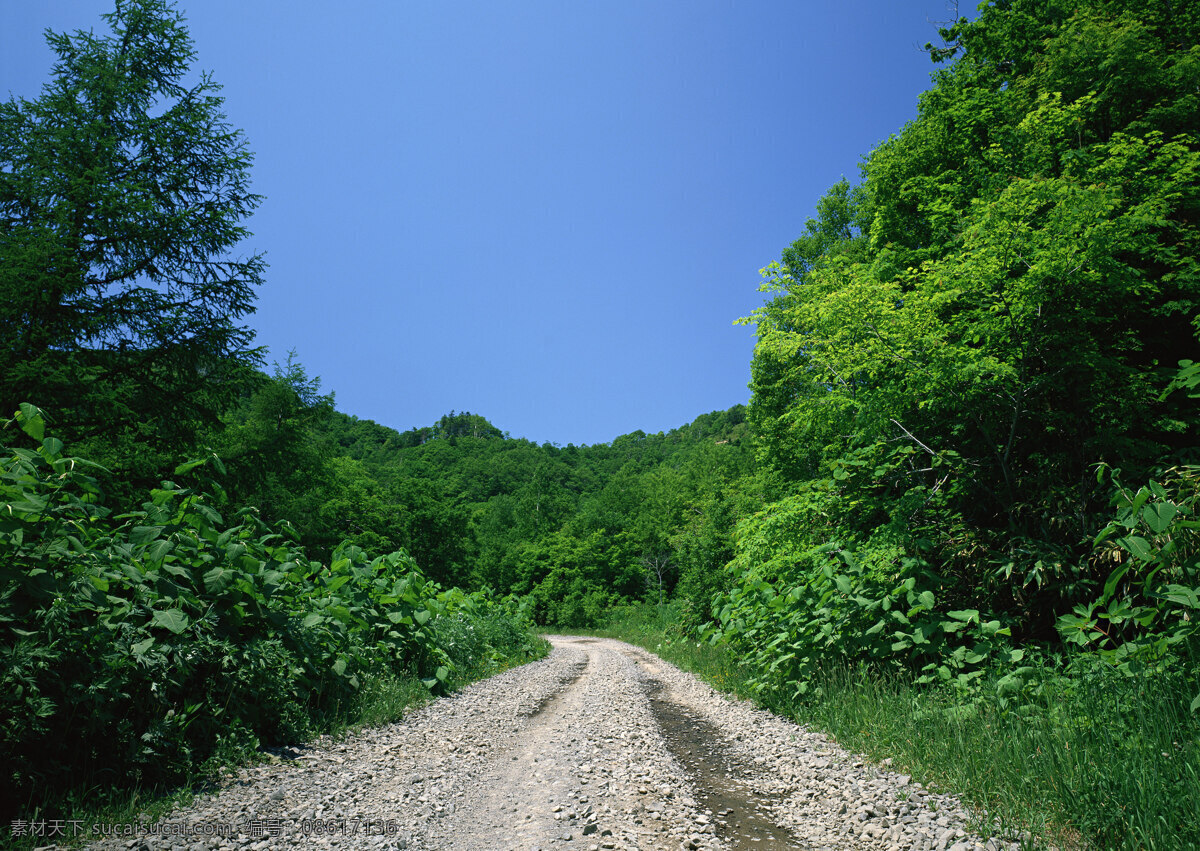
(600, 745)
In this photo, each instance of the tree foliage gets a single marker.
(997, 307)
(574, 527)
(122, 194)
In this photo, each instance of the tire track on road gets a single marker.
(599, 746)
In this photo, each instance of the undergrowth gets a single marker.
(142, 655)
(385, 697)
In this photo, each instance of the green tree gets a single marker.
(954, 345)
(122, 193)
(274, 447)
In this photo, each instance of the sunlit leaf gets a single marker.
(172, 619)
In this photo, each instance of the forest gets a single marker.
(963, 493)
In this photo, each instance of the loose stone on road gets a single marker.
(601, 745)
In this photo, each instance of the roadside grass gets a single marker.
(385, 697)
(1085, 757)
(1095, 759)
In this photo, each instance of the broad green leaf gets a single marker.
(144, 534)
(94, 595)
(1158, 516)
(1181, 595)
(30, 504)
(188, 466)
(1139, 547)
(1114, 578)
(1008, 684)
(31, 421)
(158, 550)
(218, 579)
(172, 619)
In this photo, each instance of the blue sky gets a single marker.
(547, 212)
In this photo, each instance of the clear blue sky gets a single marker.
(547, 212)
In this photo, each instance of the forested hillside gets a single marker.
(969, 466)
(576, 528)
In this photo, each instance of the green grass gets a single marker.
(1087, 758)
(1095, 758)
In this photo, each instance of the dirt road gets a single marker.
(599, 746)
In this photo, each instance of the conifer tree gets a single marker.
(122, 195)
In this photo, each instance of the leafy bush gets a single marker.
(795, 607)
(137, 647)
(1148, 614)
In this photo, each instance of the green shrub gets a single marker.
(138, 649)
(1148, 614)
(794, 606)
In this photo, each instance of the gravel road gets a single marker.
(601, 745)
